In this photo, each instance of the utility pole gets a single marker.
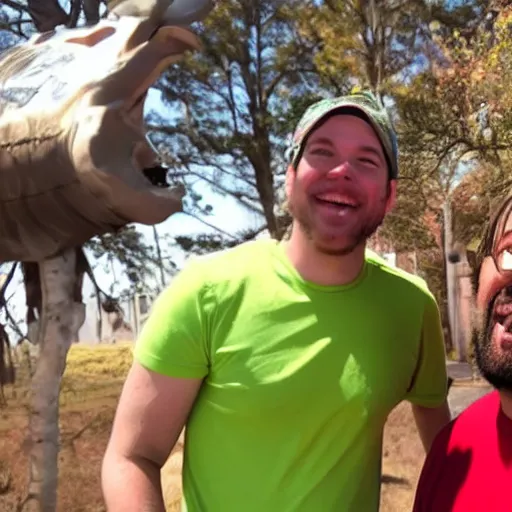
(452, 287)
(160, 260)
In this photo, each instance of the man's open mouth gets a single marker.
(503, 315)
(500, 320)
(335, 199)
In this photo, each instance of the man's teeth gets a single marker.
(506, 260)
(338, 199)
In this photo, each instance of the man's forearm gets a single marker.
(131, 485)
(429, 421)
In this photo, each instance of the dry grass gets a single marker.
(90, 390)
(402, 461)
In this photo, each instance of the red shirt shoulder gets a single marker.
(469, 467)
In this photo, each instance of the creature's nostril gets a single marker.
(94, 37)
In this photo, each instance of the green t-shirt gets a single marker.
(298, 378)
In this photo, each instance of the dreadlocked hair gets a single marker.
(490, 234)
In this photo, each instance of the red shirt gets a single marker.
(469, 467)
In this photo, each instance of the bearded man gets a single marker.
(470, 465)
(284, 359)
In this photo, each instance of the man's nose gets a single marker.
(343, 170)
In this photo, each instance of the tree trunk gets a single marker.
(60, 320)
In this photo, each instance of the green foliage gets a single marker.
(454, 125)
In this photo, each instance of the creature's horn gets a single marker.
(155, 9)
(185, 12)
(177, 12)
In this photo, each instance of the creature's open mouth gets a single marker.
(145, 157)
(149, 61)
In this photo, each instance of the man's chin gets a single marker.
(493, 352)
(337, 246)
(340, 242)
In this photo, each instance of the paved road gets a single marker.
(461, 396)
(458, 370)
(464, 391)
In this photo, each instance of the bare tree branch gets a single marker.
(216, 228)
(15, 6)
(47, 14)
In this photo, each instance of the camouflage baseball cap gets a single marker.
(364, 102)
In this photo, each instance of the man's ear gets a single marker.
(290, 177)
(391, 200)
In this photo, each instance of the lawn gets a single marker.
(90, 389)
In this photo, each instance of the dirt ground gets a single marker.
(91, 387)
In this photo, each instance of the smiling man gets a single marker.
(470, 465)
(284, 359)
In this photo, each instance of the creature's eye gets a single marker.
(506, 260)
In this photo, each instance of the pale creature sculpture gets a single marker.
(75, 162)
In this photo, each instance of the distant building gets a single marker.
(114, 327)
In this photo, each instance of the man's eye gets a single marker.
(368, 161)
(321, 152)
(506, 260)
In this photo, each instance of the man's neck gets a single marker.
(506, 403)
(321, 268)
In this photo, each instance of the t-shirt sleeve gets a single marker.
(429, 386)
(173, 341)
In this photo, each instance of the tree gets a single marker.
(454, 118)
(21, 18)
(453, 121)
(375, 45)
(235, 100)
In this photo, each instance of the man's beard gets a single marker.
(364, 231)
(495, 367)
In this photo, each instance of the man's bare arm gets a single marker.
(429, 421)
(151, 414)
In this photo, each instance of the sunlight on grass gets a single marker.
(110, 361)
(92, 372)
(95, 371)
